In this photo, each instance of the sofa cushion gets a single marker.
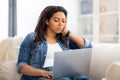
(8, 70)
(10, 48)
(13, 50)
(4, 45)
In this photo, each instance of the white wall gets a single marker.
(29, 10)
(3, 19)
(73, 8)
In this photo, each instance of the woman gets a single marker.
(37, 49)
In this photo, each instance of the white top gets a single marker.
(52, 48)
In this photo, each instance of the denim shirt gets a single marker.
(36, 56)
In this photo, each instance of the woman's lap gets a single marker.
(64, 78)
(67, 78)
(81, 77)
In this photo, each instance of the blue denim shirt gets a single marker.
(36, 56)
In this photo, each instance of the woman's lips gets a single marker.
(60, 29)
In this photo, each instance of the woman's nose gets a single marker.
(60, 23)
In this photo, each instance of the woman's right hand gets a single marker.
(46, 74)
(31, 71)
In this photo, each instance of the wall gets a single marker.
(3, 19)
(28, 12)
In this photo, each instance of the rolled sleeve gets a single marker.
(87, 43)
(19, 65)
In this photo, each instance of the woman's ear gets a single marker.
(46, 22)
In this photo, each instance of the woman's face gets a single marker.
(57, 22)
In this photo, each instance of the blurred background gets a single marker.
(97, 20)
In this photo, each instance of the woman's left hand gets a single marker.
(64, 31)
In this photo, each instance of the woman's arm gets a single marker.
(78, 40)
(24, 58)
(31, 71)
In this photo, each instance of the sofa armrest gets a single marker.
(113, 71)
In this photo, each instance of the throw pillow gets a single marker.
(8, 70)
(4, 45)
(13, 50)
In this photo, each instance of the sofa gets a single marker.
(9, 49)
(105, 60)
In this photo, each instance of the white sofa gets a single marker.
(103, 60)
(9, 49)
(103, 55)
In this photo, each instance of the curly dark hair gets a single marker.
(46, 14)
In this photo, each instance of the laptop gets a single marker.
(72, 63)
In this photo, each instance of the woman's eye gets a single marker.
(56, 20)
(64, 21)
